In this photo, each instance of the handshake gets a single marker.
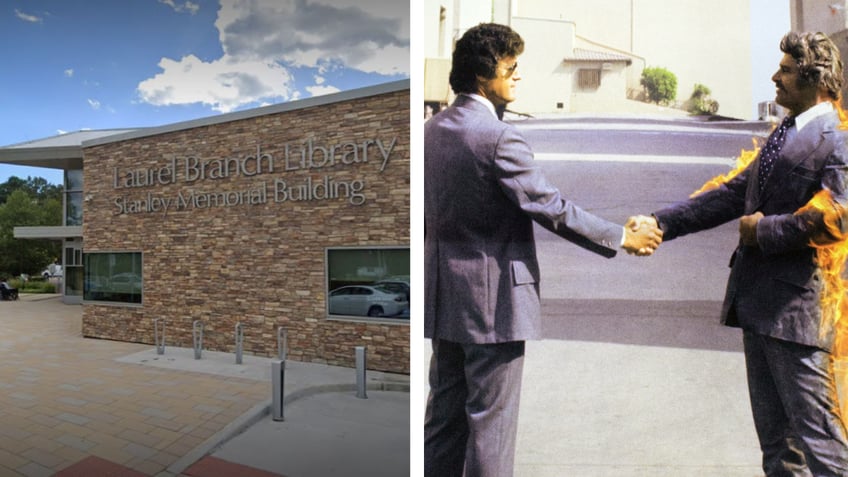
(642, 235)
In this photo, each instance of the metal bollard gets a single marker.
(239, 342)
(360, 372)
(282, 343)
(278, 384)
(159, 335)
(197, 336)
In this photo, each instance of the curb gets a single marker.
(258, 412)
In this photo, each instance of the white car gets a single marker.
(56, 271)
(125, 283)
(397, 284)
(361, 300)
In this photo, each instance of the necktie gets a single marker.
(772, 149)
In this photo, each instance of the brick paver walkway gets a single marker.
(64, 398)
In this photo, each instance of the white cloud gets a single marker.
(223, 84)
(69, 73)
(319, 90)
(262, 38)
(368, 35)
(188, 6)
(93, 103)
(28, 17)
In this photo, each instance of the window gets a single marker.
(73, 197)
(589, 79)
(370, 283)
(113, 277)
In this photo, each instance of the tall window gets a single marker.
(369, 283)
(113, 277)
(73, 197)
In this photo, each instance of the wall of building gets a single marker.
(607, 97)
(550, 84)
(683, 36)
(607, 21)
(699, 43)
(261, 263)
(545, 78)
(827, 16)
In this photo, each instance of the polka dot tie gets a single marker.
(772, 148)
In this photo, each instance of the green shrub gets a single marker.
(34, 286)
(700, 101)
(660, 84)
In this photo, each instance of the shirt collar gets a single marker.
(818, 110)
(486, 102)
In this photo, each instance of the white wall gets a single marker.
(545, 79)
(700, 42)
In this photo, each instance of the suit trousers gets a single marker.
(795, 408)
(472, 410)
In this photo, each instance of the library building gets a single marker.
(290, 217)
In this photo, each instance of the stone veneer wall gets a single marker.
(259, 264)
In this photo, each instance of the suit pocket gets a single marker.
(521, 274)
(802, 185)
(801, 283)
(803, 173)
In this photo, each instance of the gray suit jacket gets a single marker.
(774, 289)
(482, 191)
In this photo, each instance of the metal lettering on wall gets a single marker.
(308, 156)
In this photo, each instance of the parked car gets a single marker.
(52, 271)
(125, 283)
(397, 284)
(361, 300)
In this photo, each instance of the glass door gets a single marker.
(73, 271)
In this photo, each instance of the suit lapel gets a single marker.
(793, 153)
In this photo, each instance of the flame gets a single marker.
(745, 157)
(831, 245)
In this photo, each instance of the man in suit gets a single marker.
(482, 193)
(775, 283)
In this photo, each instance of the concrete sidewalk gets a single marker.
(75, 406)
(330, 435)
(626, 388)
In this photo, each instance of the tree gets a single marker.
(36, 187)
(32, 202)
(660, 84)
(700, 101)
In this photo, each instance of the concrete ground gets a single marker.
(619, 390)
(71, 406)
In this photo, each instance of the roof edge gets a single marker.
(314, 101)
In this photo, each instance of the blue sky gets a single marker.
(101, 64)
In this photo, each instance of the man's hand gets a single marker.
(642, 235)
(748, 229)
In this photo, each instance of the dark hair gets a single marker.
(477, 54)
(819, 63)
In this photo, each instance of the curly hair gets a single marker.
(477, 54)
(818, 60)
